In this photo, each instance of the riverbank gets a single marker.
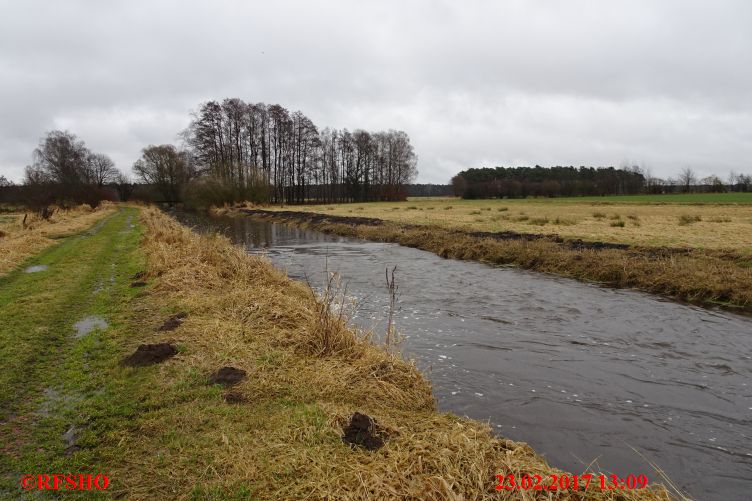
(702, 276)
(270, 427)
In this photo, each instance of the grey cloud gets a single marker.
(474, 83)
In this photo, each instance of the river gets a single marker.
(584, 374)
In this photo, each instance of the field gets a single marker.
(703, 221)
(698, 249)
(21, 238)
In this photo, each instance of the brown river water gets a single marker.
(582, 373)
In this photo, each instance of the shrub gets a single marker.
(686, 219)
(205, 192)
(618, 224)
(598, 215)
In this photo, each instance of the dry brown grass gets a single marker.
(19, 240)
(284, 441)
(726, 226)
(710, 277)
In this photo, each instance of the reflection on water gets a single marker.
(581, 373)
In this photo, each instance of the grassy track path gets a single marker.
(56, 400)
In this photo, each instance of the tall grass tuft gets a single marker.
(686, 219)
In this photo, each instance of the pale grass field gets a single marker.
(17, 243)
(721, 226)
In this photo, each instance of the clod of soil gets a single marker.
(363, 431)
(173, 322)
(227, 376)
(150, 354)
(234, 397)
(138, 283)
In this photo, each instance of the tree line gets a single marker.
(521, 182)
(66, 172)
(265, 153)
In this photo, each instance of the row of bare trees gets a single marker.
(687, 181)
(65, 172)
(267, 153)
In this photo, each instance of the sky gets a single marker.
(665, 84)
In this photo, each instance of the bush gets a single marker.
(205, 192)
(686, 219)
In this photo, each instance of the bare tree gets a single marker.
(687, 179)
(62, 157)
(243, 145)
(123, 186)
(101, 169)
(164, 167)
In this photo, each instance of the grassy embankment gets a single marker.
(165, 432)
(697, 249)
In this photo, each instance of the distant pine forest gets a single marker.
(522, 182)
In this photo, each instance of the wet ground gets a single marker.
(580, 372)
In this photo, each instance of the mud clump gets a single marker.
(173, 322)
(150, 354)
(138, 283)
(234, 397)
(363, 431)
(227, 376)
(314, 218)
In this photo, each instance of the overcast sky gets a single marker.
(666, 84)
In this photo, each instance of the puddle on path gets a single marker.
(71, 437)
(88, 324)
(35, 269)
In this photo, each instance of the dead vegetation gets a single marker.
(23, 235)
(703, 276)
(648, 224)
(313, 386)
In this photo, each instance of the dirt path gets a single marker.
(56, 348)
